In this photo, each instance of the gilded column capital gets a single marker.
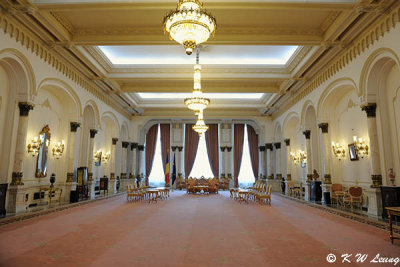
(307, 134)
(114, 141)
(24, 108)
(370, 109)
(324, 127)
(269, 146)
(134, 146)
(277, 145)
(93, 133)
(74, 126)
(141, 147)
(261, 148)
(229, 148)
(180, 148)
(125, 144)
(287, 142)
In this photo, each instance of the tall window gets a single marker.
(201, 166)
(157, 177)
(246, 176)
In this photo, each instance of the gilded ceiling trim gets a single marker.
(36, 46)
(375, 32)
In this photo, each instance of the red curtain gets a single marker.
(191, 143)
(237, 150)
(151, 140)
(165, 143)
(212, 148)
(253, 148)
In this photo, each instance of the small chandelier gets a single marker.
(200, 127)
(189, 24)
(197, 102)
(360, 146)
(106, 158)
(299, 158)
(338, 150)
(58, 149)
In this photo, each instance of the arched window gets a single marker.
(157, 177)
(201, 166)
(246, 176)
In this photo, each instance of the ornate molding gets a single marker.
(47, 54)
(383, 25)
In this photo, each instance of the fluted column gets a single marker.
(288, 161)
(18, 169)
(376, 174)
(269, 148)
(70, 171)
(179, 161)
(327, 154)
(141, 161)
(223, 171)
(307, 134)
(278, 160)
(113, 156)
(124, 159)
(262, 161)
(133, 166)
(93, 133)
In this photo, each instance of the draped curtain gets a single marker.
(212, 148)
(253, 148)
(237, 150)
(151, 139)
(191, 143)
(165, 143)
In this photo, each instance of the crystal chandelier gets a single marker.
(200, 127)
(197, 102)
(189, 24)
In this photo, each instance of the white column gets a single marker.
(374, 193)
(278, 160)
(179, 161)
(93, 133)
(133, 165)
(141, 162)
(261, 161)
(124, 159)
(71, 145)
(327, 153)
(307, 134)
(113, 156)
(222, 162)
(229, 162)
(288, 161)
(269, 148)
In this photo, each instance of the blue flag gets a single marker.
(174, 171)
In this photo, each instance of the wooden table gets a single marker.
(164, 192)
(243, 195)
(200, 188)
(153, 195)
(392, 211)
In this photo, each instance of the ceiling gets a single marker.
(268, 47)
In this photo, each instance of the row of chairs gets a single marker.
(260, 191)
(136, 193)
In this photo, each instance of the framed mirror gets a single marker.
(97, 158)
(41, 166)
(353, 152)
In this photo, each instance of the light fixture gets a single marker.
(189, 24)
(338, 150)
(97, 156)
(35, 144)
(106, 158)
(360, 146)
(58, 149)
(197, 102)
(200, 127)
(299, 158)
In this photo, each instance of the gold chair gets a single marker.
(354, 195)
(265, 195)
(336, 193)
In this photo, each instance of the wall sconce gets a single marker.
(58, 149)
(35, 144)
(338, 150)
(299, 158)
(360, 146)
(106, 158)
(97, 156)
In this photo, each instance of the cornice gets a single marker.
(99, 56)
(23, 36)
(63, 21)
(300, 55)
(374, 33)
(329, 20)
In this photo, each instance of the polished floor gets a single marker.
(188, 230)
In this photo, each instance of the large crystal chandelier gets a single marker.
(189, 24)
(197, 102)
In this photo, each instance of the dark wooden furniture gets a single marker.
(104, 185)
(82, 187)
(3, 193)
(315, 191)
(390, 198)
(391, 211)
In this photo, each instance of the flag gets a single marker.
(167, 172)
(174, 171)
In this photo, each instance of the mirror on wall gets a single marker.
(41, 166)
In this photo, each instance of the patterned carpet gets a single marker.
(188, 230)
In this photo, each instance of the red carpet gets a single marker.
(190, 231)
